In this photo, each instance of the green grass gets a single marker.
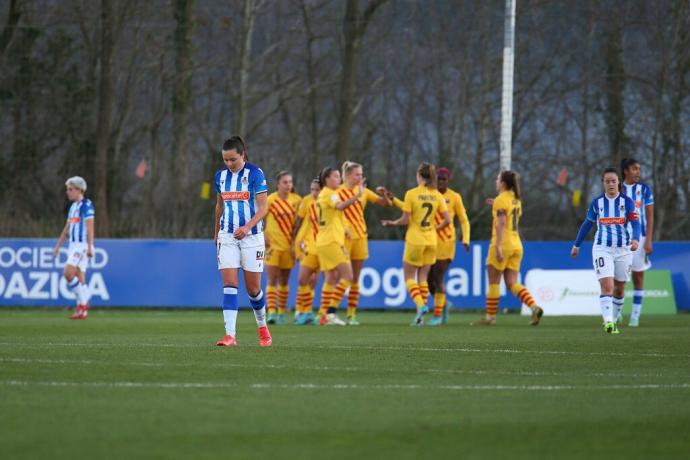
(151, 384)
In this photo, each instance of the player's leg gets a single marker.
(74, 285)
(422, 274)
(622, 264)
(283, 291)
(640, 264)
(252, 263)
(436, 278)
(353, 295)
(344, 275)
(510, 276)
(230, 279)
(494, 271)
(272, 273)
(304, 295)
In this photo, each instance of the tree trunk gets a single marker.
(106, 93)
(615, 87)
(245, 63)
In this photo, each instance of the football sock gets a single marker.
(340, 289)
(230, 309)
(353, 300)
(415, 293)
(327, 292)
(258, 303)
(492, 300)
(303, 304)
(439, 303)
(638, 294)
(309, 303)
(523, 294)
(424, 292)
(271, 299)
(283, 292)
(606, 304)
(75, 287)
(617, 307)
(86, 294)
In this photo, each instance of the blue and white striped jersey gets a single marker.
(78, 214)
(642, 195)
(612, 216)
(238, 191)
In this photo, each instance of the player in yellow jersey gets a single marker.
(282, 211)
(307, 227)
(330, 244)
(445, 248)
(505, 250)
(419, 209)
(357, 244)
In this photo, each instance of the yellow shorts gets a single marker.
(418, 255)
(357, 249)
(445, 250)
(310, 260)
(280, 259)
(331, 255)
(512, 257)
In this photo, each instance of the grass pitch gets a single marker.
(151, 384)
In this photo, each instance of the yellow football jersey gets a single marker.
(512, 207)
(354, 215)
(422, 203)
(280, 219)
(331, 222)
(455, 208)
(310, 225)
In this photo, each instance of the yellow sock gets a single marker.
(492, 300)
(523, 294)
(327, 292)
(303, 304)
(424, 291)
(283, 292)
(413, 289)
(439, 303)
(353, 300)
(308, 305)
(271, 299)
(340, 289)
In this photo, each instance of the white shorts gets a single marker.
(612, 262)
(76, 256)
(640, 262)
(247, 253)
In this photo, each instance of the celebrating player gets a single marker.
(445, 248)
(238, 233)
(305, 250)
(613, 243)
(357, 245)
(80, 229)
(505, 250)
(643, 197)
(282, 209)
(419, 210)
(330, 244)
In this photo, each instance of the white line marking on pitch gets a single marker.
(326, 368)
(358, 347)
(342, 386)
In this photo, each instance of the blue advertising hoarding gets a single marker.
(183, 273)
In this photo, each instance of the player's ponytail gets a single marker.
(427, 171)
(511, 179)
(627, 163)
(348, 166)
(325, 174)
(236, 143)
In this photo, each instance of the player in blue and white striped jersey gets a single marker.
(643, 197)
(238, 232)
(613, 244)
(79, 229)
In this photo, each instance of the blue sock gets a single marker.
(230, 309)
(258, 303)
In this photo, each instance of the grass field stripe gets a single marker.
(345, 386)
(356, 347)
(332, 369)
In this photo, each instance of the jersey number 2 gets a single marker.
(425, 220)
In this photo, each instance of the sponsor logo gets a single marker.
(235, 196)
(259, 255)
(244, 180)
(612, 220)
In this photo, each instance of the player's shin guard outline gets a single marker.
(492, 297)
(230, 309)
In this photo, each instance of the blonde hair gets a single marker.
(348, 166)
(76, 182)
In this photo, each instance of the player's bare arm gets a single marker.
(399, 222)
(261, 211)
(90, 227)
(61, 239)
(501, 222)
(649, 210)
(219, 212)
